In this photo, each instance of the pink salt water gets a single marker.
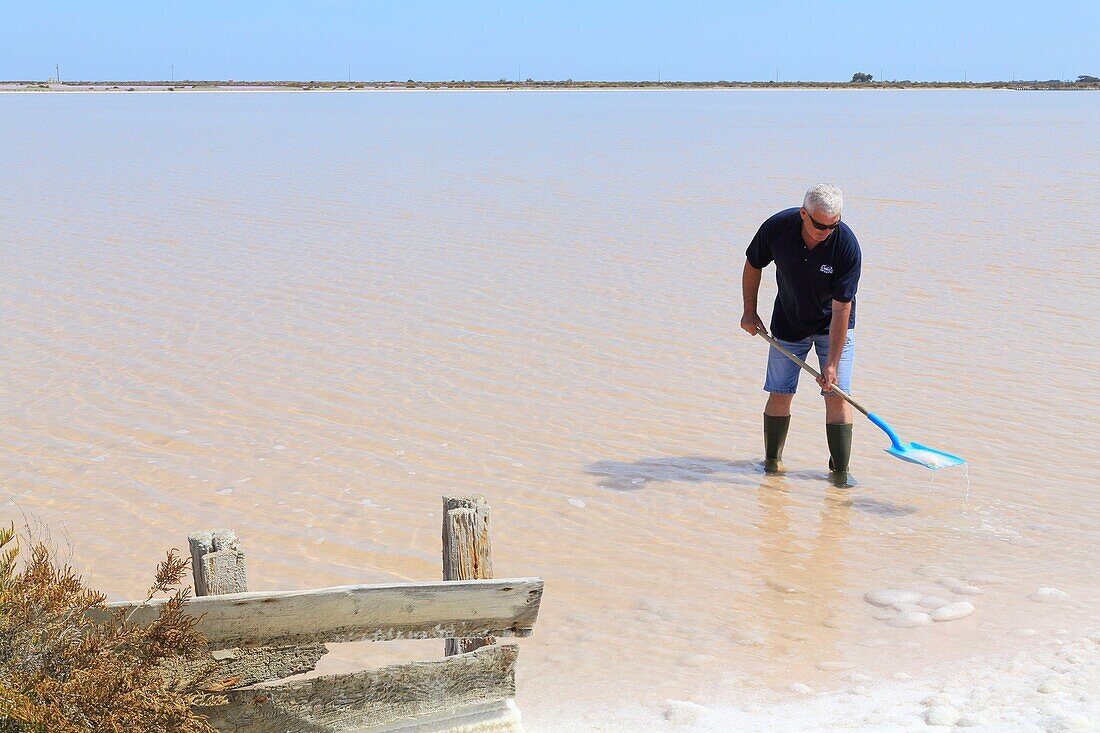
(306, 317)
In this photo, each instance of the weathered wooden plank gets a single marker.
(492, 717)
(226, 669)
(467, 553)
(380, 698)
(217, 562)
(436, 610)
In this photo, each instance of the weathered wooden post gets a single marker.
(467, 553)
(217, 562)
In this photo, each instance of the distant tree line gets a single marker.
(1083, 81)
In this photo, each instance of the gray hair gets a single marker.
(824, 199)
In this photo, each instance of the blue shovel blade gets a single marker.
(924, 456)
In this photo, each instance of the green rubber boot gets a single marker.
(775, 435)
(840, 447)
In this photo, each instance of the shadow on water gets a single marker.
(881, 507)
(637, 475)
(623, 476)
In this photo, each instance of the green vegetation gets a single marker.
(860, 78)
(62, 673)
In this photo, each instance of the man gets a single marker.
(817, 265)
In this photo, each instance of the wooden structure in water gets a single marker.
(258, 638)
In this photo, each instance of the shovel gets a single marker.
(922, 455)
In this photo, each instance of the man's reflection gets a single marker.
(802, 571)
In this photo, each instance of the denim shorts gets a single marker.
(783, 373)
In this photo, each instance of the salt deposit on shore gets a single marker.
(1053, 687)
(1035, 681)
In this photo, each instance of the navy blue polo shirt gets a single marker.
(809, 280)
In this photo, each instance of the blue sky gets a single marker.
(810, 41)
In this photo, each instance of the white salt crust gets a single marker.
(910, 619)
(890, 596)
(933, 602)
(1053, 687)
(953, 611)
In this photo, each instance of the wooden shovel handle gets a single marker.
(783, 350)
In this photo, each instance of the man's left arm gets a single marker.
(838, 334)
(847, 267)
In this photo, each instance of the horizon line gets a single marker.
(1082, 79)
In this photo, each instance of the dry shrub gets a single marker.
(62, 673)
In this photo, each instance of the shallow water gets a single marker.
(306, 317)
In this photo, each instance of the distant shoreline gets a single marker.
(530, 85)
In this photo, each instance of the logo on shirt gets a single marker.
(827, 269)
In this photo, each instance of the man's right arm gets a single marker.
(750, 291)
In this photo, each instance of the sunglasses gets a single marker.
(820, 226)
